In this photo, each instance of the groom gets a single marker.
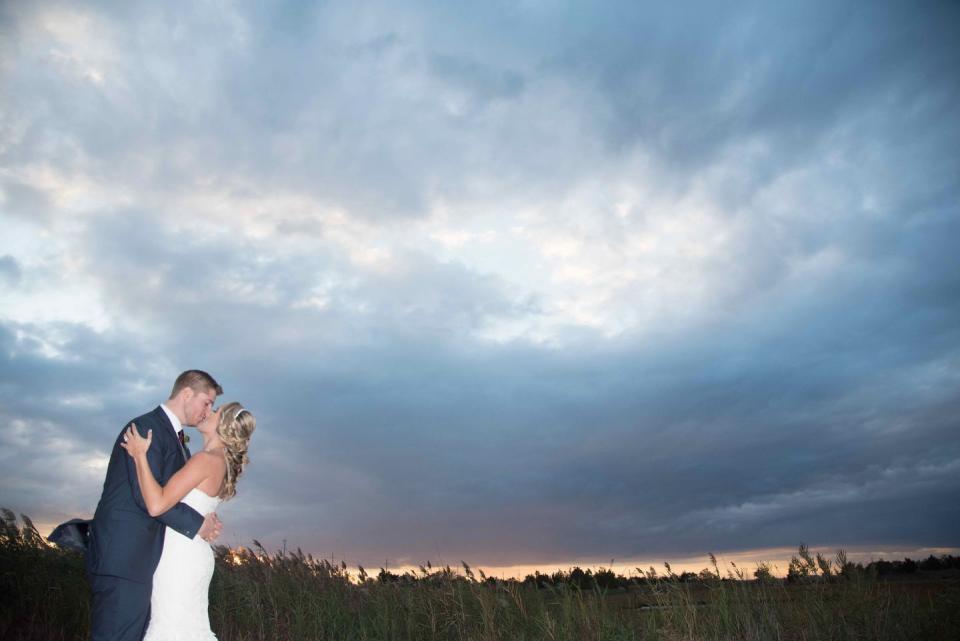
(125, 541)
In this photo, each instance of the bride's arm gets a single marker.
(160, 498)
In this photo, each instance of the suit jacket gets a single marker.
(125, 541)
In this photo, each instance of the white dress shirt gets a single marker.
(177, 427)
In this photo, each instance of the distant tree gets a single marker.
(580, 578)
(706, 574)
(802, 567)
(881, 567)
(538, 580)
(763, 573)
(387, 577)
(607, 579)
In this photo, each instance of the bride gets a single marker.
(178, 607)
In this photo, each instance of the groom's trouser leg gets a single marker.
(120, 608)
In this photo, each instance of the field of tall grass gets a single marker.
(258, 596)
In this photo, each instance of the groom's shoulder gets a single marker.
(155, 420)
(151, 418)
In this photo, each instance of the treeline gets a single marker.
(803, 567)
(806, 567)
(588, 579)
(909, 566)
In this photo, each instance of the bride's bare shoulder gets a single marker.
(211, 457)
(213, 467)
(210, 461)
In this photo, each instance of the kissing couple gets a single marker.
(149, 560)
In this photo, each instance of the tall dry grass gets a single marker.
(256, 596)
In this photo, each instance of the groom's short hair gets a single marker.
(197, 380)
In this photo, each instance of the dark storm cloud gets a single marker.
(690, 80)
(813, 397)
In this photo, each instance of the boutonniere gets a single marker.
(186, 439)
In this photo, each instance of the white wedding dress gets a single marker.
(178, 607)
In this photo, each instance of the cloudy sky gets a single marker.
(508, 282)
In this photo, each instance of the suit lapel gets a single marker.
(164, 420)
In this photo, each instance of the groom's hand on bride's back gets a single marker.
(211, 527)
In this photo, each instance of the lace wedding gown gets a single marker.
(178, 608)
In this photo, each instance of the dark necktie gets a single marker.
(183, 444)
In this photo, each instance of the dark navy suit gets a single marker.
(125, 541)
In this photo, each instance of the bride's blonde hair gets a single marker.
(235, 428)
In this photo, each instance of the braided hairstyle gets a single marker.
(235, 428)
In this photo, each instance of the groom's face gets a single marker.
(198, 405)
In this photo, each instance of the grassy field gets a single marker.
(258, 596)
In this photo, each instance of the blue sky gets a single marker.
(514, 283)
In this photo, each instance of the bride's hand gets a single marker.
(135, 444)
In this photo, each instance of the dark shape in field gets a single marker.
(72, 535)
